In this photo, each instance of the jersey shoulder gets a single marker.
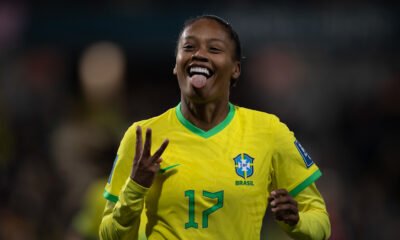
(258, 119)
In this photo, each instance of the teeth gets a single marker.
(200, 70)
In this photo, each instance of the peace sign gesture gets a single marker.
(145, 166)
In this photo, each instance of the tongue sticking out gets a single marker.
(198, 81)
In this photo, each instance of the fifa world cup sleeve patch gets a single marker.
(306, 158)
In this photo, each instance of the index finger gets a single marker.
(279, 192)
(147, 144)
(160, 151)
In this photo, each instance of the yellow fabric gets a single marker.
(313, 216)
(209, 195)
(121, 220)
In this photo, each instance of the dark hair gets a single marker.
(228, 27)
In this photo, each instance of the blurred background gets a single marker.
(74, 75)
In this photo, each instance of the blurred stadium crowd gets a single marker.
(73, 77)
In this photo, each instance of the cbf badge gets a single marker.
(244, 165)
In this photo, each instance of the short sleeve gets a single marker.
(122, 165)
(293, 168)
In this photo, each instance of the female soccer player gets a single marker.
(221, 164)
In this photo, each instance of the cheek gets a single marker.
(227, 69)
(179, 64)
(179, 71)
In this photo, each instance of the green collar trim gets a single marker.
(201, 132)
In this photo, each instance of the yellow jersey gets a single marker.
(214, 184)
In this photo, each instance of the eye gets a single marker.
(215, 50)
(188, 47)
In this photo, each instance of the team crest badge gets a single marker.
(244, 165)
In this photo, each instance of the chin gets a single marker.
(197, 96)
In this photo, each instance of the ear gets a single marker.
(174, 71)
(236, 71)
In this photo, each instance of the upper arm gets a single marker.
(292, 167)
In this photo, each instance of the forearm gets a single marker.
(314, 220)
(122, 219)
(312, 225)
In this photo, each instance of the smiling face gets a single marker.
(206, 62)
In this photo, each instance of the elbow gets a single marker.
(319, 226)
(326, 227)
(313, 225)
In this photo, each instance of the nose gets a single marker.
(200, 55)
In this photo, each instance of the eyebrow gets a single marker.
(210, 40)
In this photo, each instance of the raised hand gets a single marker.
(145, 167)
(284, 207)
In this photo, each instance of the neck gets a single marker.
(204, 115)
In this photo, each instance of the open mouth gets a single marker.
(196, 70)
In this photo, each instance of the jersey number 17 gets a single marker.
(213, 195)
